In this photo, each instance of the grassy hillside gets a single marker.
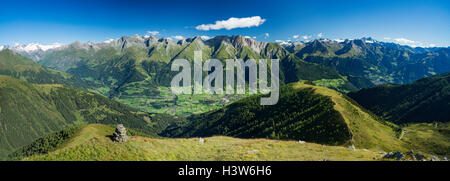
(304, 112)
(93, 143)
(429, 137)
(28, 111)
(425, 100)
(17, 66)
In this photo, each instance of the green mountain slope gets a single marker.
(304, 112)
(429, 137)
(425, 100)
(28, 111)
(92, 142)
(15, 65)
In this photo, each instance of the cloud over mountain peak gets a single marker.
(233, 23)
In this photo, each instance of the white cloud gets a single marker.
(266, 35)
(412, 43)
(339, 40)
(153, 33)
(295, 36)
(386, 38)
(254, 37)
(232, 23)
(320, 35)
(306, 37)
(204, 37)
(177, 37)
(403, 41)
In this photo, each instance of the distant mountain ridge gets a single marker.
(32, 51)
(380, 62)
(15, 65)
(165, 50)
(36, 49)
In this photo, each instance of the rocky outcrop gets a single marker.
(120, 135)
(394, 155)
(411, 156)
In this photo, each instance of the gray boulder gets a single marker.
(394, 155)
(120, 134)
(420, 157)
(352, 147)
(201, 140)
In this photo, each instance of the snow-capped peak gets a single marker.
(109, 40)
(284, 43)
(35, 47)
(368, 40)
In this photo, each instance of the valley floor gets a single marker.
(93, 143)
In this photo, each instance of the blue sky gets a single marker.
(416, 22)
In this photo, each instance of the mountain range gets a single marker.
(136, 70)
(380, 62)
(44, 89)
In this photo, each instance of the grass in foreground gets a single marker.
(93, 143)
(429, 137)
